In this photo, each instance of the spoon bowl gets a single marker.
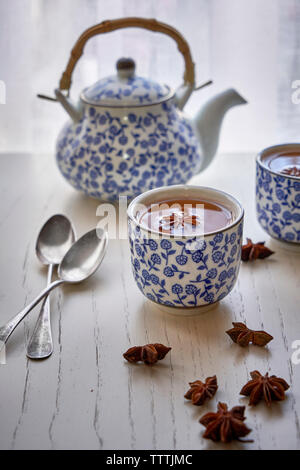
(84, 257)
(54, 240)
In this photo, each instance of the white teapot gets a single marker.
(129, 134)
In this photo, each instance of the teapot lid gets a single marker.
(125, 89)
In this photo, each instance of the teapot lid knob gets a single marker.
(125, 67)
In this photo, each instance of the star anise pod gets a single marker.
(171, 220)
(177, 220)
(200, 391)
(225, 425)
(191, 219)
(264, 387)
(242, 335)
(149, 353)
(291, 171)
(252, 251)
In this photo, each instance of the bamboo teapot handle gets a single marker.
(113, 25)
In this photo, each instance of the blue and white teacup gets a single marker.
(278, 194)
(184, 272)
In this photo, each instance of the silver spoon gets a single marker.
(54, 240)
(80, 262)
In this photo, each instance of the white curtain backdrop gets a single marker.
(252, 45)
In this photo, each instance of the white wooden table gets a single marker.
(86, 396)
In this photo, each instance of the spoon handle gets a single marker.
(6, 330)
(41, 345)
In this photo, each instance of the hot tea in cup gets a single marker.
(284, 161)
(278, 191)
(185, 244)
(185, 217)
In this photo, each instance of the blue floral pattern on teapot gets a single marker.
(111, 91)
(116, 152)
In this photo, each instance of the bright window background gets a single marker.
(252, 45)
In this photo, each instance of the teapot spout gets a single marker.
(73, 110)
(209, 119)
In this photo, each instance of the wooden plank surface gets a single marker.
(86, 396)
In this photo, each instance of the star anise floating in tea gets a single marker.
(200, 391)
(177, 220)
(242, 335)
(149, 353)
(252, 251)
(265, 387)
(225, 425)
(291, 171)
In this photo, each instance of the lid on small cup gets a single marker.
(125, 89)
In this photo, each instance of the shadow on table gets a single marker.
(209, 324)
